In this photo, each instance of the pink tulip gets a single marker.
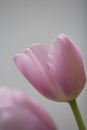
(56, 71)
(17, 112)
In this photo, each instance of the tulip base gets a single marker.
(77, 115)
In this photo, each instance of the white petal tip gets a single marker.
(62, 35)
(26, 50)
(16, 56)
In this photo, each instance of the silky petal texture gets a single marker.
(17, 112)
(66, 66)
(41, 53)
(34, 68)
(56, 71)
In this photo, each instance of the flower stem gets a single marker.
(77, 115)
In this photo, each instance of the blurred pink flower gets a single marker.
(17, 112)
(56, 71)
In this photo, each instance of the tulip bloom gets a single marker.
(17, 112)
(56, 71)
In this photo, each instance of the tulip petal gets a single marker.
(18, 112)
(40, 51)
(35, 74)
(66, 66)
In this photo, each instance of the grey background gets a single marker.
(23, 22)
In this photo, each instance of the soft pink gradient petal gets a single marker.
(40, 51)
(56, 71)
(18, 112)
(35, 74)
(66, 66)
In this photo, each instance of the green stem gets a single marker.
(77, 115)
